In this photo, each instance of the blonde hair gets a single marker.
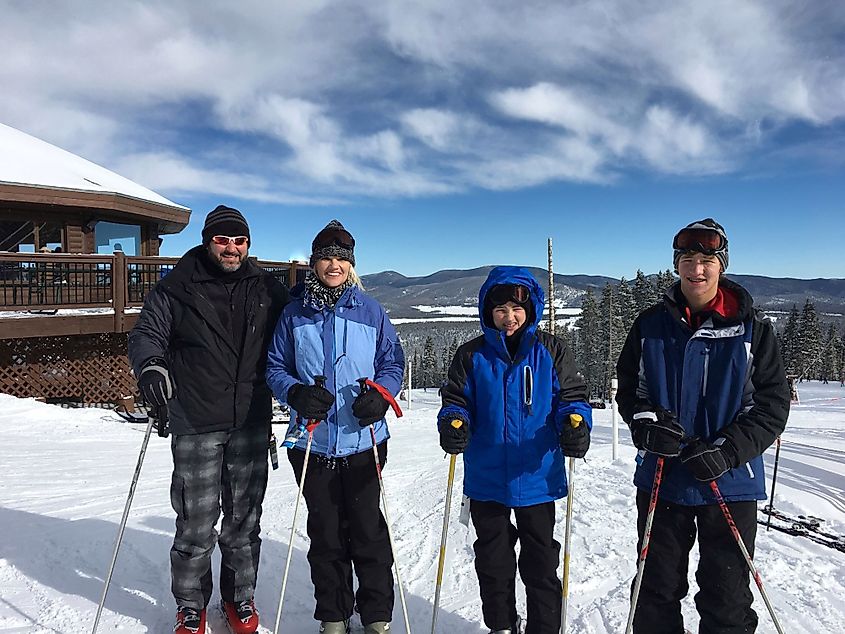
(354, 278)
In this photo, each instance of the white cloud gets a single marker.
(397, 98)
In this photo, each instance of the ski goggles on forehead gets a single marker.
(223, 241)
(331, 237)
(706, 241)
(504, 293)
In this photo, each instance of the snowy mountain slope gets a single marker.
(66, 475)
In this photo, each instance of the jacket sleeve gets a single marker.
(150, 338)
(281, 364)
(458, 401)
(571, 397)
(390, 358)
(628, 374)
(766, 406)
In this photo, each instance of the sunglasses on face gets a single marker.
(700, 240)
(504, 293)
(224, 241)
(331, 237)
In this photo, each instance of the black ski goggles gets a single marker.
(706, 241)
(334, 237)
(503, 293)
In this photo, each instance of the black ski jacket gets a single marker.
(724, 379)
(217, 369)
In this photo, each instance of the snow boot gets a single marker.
(334, 627)
(241, 617)
(378, 627)
(516, 629)
(189, 621)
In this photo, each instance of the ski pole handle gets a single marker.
(162, 418)
(575, 420)
(457, 423)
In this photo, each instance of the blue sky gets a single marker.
(456, 134)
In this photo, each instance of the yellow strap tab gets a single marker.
(575, 419)
(457, 424)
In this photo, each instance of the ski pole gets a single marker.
(442, 560)
(575, 420)
(652, 506)
(320, 381)
(161, 414)
(364, 386)
(757, 579)
(774, 480)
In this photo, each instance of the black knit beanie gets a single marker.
(224, 221)
(333, 241)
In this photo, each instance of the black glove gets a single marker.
(154, 383)
(453, 439)
(575, 441)
(707, 461)
(312, 402)
(369, 407)
(656, 430)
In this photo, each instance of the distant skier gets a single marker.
(332, 328)
(200, 348)
(513, 390)
(701, 383)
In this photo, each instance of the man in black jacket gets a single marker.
(200, 348)
(702, 386)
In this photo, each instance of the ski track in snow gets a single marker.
(66, 475)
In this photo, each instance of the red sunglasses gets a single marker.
(223, 241)
(504, 293)
(330, 237)
(700, 240)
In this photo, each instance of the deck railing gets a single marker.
(50, 282)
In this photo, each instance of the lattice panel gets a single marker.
(84, 368)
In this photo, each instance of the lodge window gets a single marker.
(26, 236)
(114, 236)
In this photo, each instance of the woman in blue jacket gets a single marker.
(331, 328)
(513, 390)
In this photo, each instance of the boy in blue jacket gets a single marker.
(513, 389)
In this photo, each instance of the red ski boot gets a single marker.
(241, 617)
(189, 621)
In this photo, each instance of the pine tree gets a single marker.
(809, 342)
(789, 348)
(830, 354)
(588, 348)
(611, 337)
(627, 307)
(644, 292)
(665, 281)
(428, 372)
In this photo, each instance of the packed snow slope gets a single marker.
(66, 476)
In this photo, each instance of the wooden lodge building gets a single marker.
(79, 250)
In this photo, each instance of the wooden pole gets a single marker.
(551, 291)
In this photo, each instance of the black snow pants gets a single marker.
(496, 564)
(347, 529)
(227, 468)
(724, 597)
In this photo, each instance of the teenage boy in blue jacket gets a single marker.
(513, 389)
(702, 384)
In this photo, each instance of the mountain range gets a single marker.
(449, 288)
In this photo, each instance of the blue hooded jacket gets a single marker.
(514, 406)
(351, 340)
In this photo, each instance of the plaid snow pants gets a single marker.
(210, 468)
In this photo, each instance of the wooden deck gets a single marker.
(48, 295)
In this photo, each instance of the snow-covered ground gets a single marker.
(66, 474)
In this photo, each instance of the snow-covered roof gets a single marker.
(26, 160)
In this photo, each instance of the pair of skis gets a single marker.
(802, 526)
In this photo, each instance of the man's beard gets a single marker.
(227, 267)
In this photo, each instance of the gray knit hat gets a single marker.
(333, 241)
(224, 221)
(702, 236)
